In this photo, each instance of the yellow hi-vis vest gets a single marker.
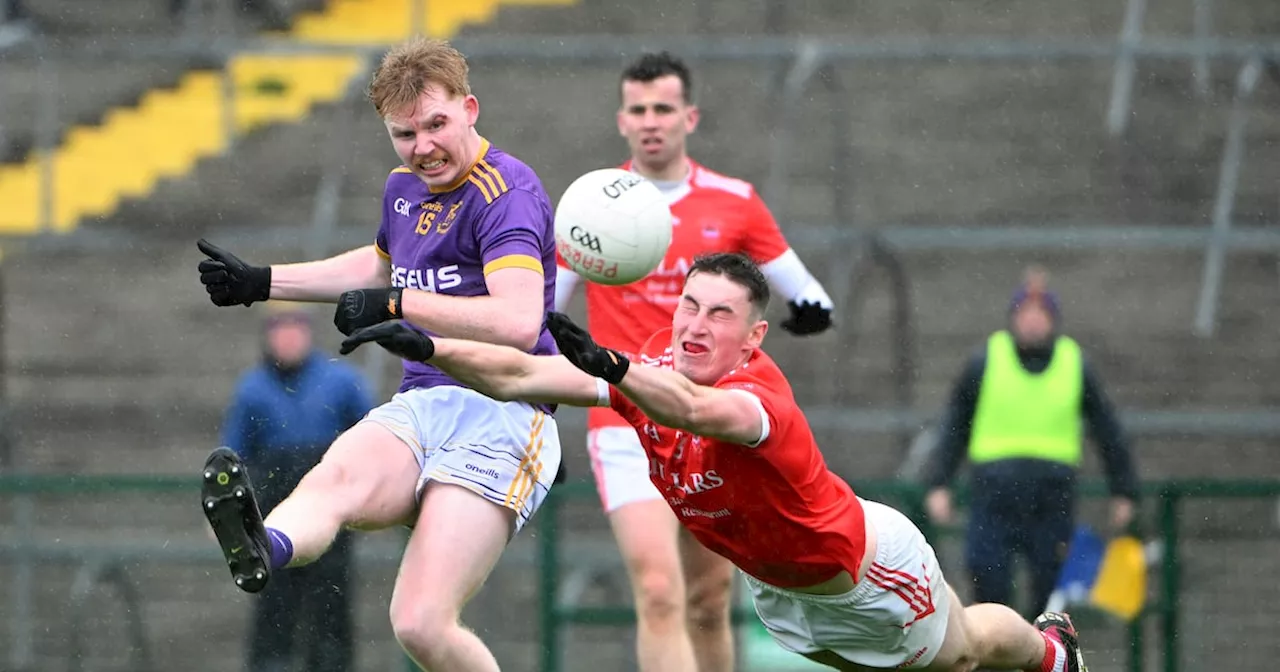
(1028, 415)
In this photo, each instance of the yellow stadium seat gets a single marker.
(20, 192)
(170, 130)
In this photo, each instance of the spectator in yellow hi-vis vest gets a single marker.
(1018, 414)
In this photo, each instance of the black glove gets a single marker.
(396, 338)
(807, 317)
(577, 346)
(229, 280)
(361, 308)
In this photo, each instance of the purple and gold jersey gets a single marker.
(447, 239)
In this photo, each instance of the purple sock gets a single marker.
(281, 548)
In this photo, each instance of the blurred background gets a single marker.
(917, 154)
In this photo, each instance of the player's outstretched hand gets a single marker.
(394, 337)
(360, 308)
(229, 280)
(578, 347)
(807, 317)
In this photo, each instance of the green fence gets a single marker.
(1162, 503)
(1206, 521)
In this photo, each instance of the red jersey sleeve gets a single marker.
(761, 238)
(776, 409)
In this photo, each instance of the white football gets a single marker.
(613, 226)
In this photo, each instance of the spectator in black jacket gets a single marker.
(1017, 414)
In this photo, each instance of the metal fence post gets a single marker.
(1137, 643)
(47, 134)
(87, 578)
(1170, 576)
(1228, 176)
(1126, 67)
(21, 624)
(807, 62)
(874, 252)
(548, 583)
(842, 182)
(1202, 30)
(229, 95)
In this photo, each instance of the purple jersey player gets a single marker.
(465, 250)
(448, 239)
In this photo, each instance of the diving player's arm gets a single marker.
(510, 315)
(326, 279)
(671, 400)
(507, 374)
(733, 415)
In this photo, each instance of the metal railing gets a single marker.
(1166, 500)
(874, 254)
(809, 57)
(1224, 200)
(101, 565)
(90, 576)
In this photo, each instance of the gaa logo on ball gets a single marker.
(612, 226)
(584, 238)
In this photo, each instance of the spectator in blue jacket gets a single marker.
(284, 414)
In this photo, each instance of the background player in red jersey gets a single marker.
(712, 213)
(846, 582)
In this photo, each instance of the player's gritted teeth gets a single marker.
(433, 167)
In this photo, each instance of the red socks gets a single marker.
(1055, 655)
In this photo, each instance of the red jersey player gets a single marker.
(711, 213)
(844, 581)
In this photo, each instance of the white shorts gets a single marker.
(621, 468)
(895, 617)
(505, 451)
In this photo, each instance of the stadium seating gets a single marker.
(154, 140)
(384, 21)
(114, 340)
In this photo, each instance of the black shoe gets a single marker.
(232, 510)
(1058, 626)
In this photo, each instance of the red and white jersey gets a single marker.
(711, 213)
(773, 509)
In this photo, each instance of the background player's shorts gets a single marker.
(505, 451)
(621, 467)
(896, 616)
